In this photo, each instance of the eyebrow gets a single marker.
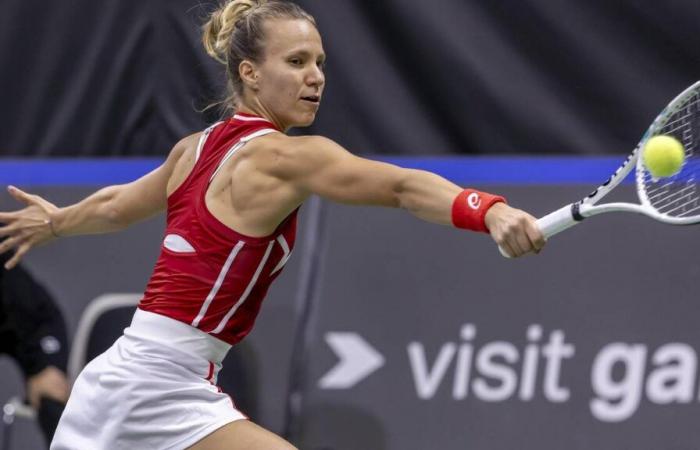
(305, 53)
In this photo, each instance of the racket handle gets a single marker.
(553, 223)
(557, 221)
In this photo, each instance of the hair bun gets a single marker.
(221, 25)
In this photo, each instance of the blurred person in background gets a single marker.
(33, 333)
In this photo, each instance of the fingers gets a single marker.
(7, 230)
(505, 247)
(514, 244)
(26, 228)
(21, 243)
(535, 235)
(518, 234)
(7, 217)
(21, 251)
(10, 243)
(19, 194)
(524, 243)
(515, 237)
(29, 199)
(36, 229)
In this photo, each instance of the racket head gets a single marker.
(674, 199)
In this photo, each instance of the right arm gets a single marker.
(316, 165)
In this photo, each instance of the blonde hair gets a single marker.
(234, 33)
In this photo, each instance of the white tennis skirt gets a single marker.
(155, 388)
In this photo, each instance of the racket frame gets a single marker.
(574, 213)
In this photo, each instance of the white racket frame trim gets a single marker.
(573, 213)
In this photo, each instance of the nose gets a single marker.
(315, 76)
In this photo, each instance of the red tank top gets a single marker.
(208, 275)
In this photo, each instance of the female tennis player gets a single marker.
(231, 195)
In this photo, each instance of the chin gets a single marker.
(305, 121)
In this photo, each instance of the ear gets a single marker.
(249, 74)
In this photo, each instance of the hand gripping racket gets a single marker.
(674, 200)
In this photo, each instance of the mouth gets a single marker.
(312, 98)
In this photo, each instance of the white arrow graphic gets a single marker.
(358, 359)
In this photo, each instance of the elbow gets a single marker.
(112, 212)
(401, 191)
(114, 217)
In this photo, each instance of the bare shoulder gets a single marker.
(284, 145)
(180, 161)
(188, 144)
(191, 140)
(284, 156)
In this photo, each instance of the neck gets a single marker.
(256, 108)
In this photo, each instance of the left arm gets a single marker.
(110, 209)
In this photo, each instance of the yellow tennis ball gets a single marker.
(663, 156)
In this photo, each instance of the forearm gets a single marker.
(99, 213)
(434, 199)
(427, 196)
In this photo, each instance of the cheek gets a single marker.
(283, 99)
(281, 89)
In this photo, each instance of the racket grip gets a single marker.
(553, 223)
(556, 222)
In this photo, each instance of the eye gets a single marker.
(295, 61)
(321, 63)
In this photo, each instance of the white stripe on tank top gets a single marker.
(218, 283)
(245, 294)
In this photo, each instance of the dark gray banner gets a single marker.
(428, 339)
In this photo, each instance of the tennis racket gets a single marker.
(674, 200)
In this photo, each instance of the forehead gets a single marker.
(283, 36)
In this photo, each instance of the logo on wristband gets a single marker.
(474, 201)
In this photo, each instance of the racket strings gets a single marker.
(678, 195)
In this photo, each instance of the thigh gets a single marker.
(242, 435)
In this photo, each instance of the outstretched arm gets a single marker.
(109, 209)
(320, 166)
